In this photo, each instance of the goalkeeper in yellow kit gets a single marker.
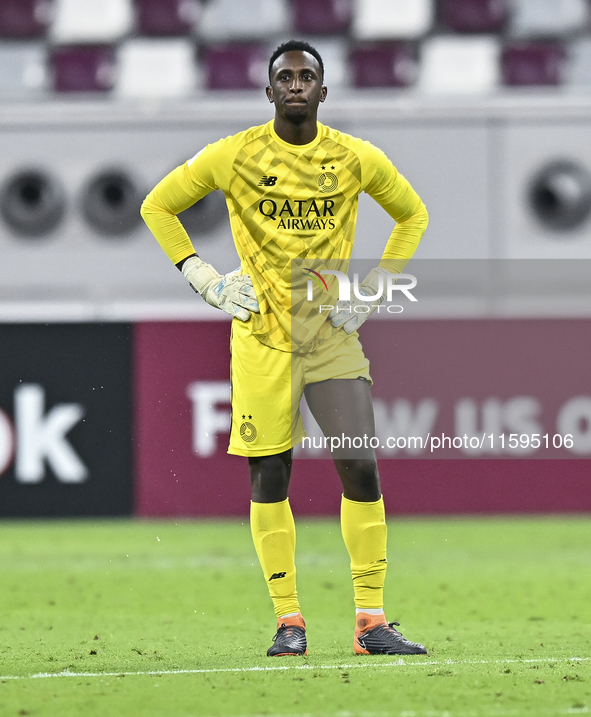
(292, 187)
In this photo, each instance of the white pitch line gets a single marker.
(397, 663)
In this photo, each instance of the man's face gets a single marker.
(296, 86)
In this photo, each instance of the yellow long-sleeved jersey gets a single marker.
(289, 205)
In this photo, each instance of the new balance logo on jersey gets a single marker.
(276, 575)
(269, 181)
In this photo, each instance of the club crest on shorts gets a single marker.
(248, 432)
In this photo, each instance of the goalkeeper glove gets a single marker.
(232, 293)
(351, 314)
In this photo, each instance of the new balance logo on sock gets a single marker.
(276, 575)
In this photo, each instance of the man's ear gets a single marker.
(269, 91)
(323, 93)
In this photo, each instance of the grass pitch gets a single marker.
(172, 619)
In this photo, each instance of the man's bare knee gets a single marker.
(360, 479)
(269, 477)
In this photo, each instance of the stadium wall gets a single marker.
(109, 404)
(73, 175)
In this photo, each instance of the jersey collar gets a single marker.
(296, 147)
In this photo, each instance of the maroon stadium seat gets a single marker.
(322, 17)
(23, 18)
(473, 15)
(85, 68)
(533, 64)
(234, 67)
(383, 65)
(163, 17)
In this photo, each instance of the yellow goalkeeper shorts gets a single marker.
(268, 384)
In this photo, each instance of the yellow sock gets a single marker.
(364, 531)
(273, 533)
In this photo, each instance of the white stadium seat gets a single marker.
(86, 21)
(547, 17)
(247, 19)
(22, 69)
(156, 68)
(385, 19)
(578, 68)
(334, 53)
(460, 64)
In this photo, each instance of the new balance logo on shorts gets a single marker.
(276, 575)
(269, 181)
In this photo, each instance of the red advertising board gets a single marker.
(485, 416)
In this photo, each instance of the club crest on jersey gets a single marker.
(328, 182)
(268, 181)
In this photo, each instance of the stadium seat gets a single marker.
(22, 69)
(532, 18)
(385, 19)
(86, 68)
(156, 68)
(388, 64)
(22, 19)
(165, 17)
(578, 68)
(335, 55)
(322, 17)
(460, 64)
(90, 21)
(244, 20)
(235, 67)
(533, 64)
(473, 15)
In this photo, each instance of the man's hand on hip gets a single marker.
(351, 314)
(232, 293)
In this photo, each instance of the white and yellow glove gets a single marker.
(351, 314)
(232, 293)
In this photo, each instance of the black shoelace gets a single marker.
(288, 631)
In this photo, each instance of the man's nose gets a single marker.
(296, 85)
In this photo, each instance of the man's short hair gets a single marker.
(300, 46)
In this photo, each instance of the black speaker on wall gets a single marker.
(560, 195)
(32, 202)
(110, 202)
